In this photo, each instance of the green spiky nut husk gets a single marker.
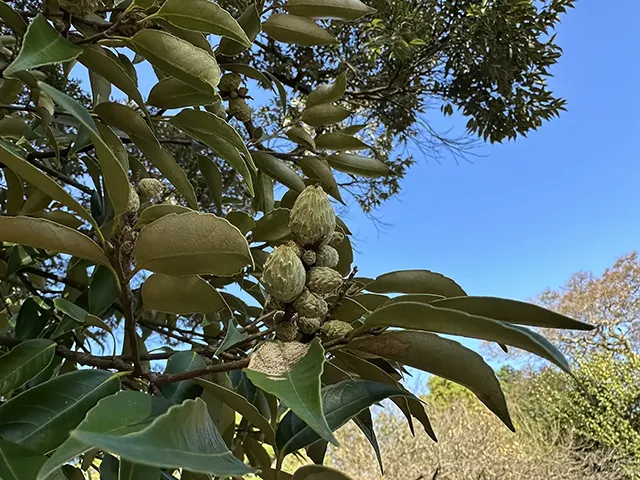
(336, 239)
(335, 329)
(323, 280)
(327, 256)
(296, 248)
(286, 331)
(134, 201)
(312, 219)
(230, 82)
(309, 326)
(284, 275)
(150, 188)
(310, 305)
(309, 258)
(79, 7)
(239, 109)
(272, 304)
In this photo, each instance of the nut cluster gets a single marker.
(300, 275)
(231, 90)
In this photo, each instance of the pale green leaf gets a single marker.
(278, 170)
(296, 30)
(331, 9)
(324, 114)
(328, 93)
(300, 136)
(170, 93)
(318, 169)
(249, 21)
(154, 212)
(357, 165)
(213, 179)
(24, 362)
(416, 281)
(180, 295)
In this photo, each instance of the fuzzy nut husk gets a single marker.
(323, 280)
(230, 82)
(335, 329)
(79, 7)
(239, 109)
(310, 305)
(283, 274)
(150, 188)
(327, 256)
(273, 304)
(286, 331)
(134, 201)
(336, 239)
(296, 248)
(309, 326)
(312, 219)
(309, 258)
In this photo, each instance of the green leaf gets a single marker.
(365, 423)
(213, 179)
(416, 281)
(336, 9)
(120, 414)
(15, 192)
(12, 19)
(318, 169)
(324, 114)
(345, 251)
(180, 295)
(220, 137)
(103, 63)
(415, 297)
(511, 311)
(282, 92)
(357, 165)
(41, 233)
(41, 417)
(353, 129)
(249, 71)
(340, 141)
(341, 402)
(103, 290)
(348, 310)
(193, 442)
(170, 93)
(16, 128)
(154, 212)
(192, 244)
(109, 467)
(25, 361)
(300, 136)
(423, 316)
(243, 221)
(18, 462)
(193, 37)
(443, 357)
(42, 45)
(317, 451)
(328, 93)
(203, 16)
(241, 405)
(39, 180)
(295, 380)
(79, 314)
(181, 362)
(278, 170)
(319, 472)
(296, 30)
(272, 227)
(232, 337)
(249, 21)
(126, 119)
(178, 58)
(31, 318)
(115, 177)
(135, 471)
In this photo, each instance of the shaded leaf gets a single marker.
(300, 136)
(213, 179)
(103, 290)
(23, 362)
(365, 423)
(339, 141)
(357, 165)
(135, 471)
(181, 362)
(278, 170)
(18, 462)
(319, 472)
(272, 227)
(249, 20)
(249, 71)
(317, 451)
(317, 169)
(232, 337)
(243, 221)
(416, 281)
(154, 212)
(180, 295)
(296, 30)
(345, 251)
(12, 19)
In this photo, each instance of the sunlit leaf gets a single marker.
(317, 168)
(339, 9)
(416, 281)
(324, 114)
(328, 93)
(357, 165)
(180, 295)
(296, 30)
(278, 170)
(300, 136)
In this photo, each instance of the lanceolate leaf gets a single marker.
(154, 212)
(317, 169)
(213, 179)
(180, 295)
(339, 9)
(357, 165)
(416, 281)
(300, 136)
(42, 417)
(192, 244)
(339, 141)
(416, 297)
(291, 372)
(296, 30)
(278, 170)
(249, 20)
(24, 362)
(328, 93)
(12, 19)
(341, 402)
(171, 93)
(423, 316)
(120, 414)
(178, 58)
(41, 233)
(203, 16)
(183, 437)
(178, 363)
(273, 227)
(324, 114)
(42, 45)
(365, 423)
(443, 357)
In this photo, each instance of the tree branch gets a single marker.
(55, 278)
(218, 368)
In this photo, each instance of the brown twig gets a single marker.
(218, 368)
(344, 289)
(55, 278)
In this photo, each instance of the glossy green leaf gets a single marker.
(318, 169)
(423, 316)
(42, 417)
(12, 19)
(357, 165)
(135, 471)
(171, 93)
(203, 16)
(180, 295)
(154, 212)
(19, 463)
(41, 233)
(336, 9)
(220, 137)
(443, 357)
(278, 170)
(178, 58)
(213, 179)
(272, 227)
(193, 442)
(42, 45)
(339, 141)
(249, 21)
(324, 114)
(416, 281)
(103, 290)
(295, 381)
(24, 362)
(296, 30)
(120, 414)
(328, 93)
(511, 311)
(232, 337)
(192, 244)
(300, 136)
(341, 402)
(242, 220)
(181, 362)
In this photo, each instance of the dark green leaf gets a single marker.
(178, 363)
(154, 212)
(135, 471)
(31, 319)
(12, 19)
(365, 423)
(318, 169)
(416, 281)
(103, 290)
(18, 462)
(249, 20)
(232, 337)
(273, 227)
(24, 362)
(318, 472)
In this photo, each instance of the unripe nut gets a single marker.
(239, 109)
(336, 239)
(335, 329)
(286, 331)
(149, 188)
(230, 82)
(327, 256)
(312, 219)
(310, 305)
(134, 201)
(283, 274)
(309, 326)
(296, 248)
(309, 258)
(323, 280)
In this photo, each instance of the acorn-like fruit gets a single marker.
(239, 109)
(323, 280)
(79, 7)
(327, 256)
(310, 305)
(283, 274)
(286, 331)
(309, 326)
(336, 239)
(309, 258)
(296, 248)
(150, 188)
(230, 82)
(335, 329)
(312, 219)
(272, 304)
(134, 201)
